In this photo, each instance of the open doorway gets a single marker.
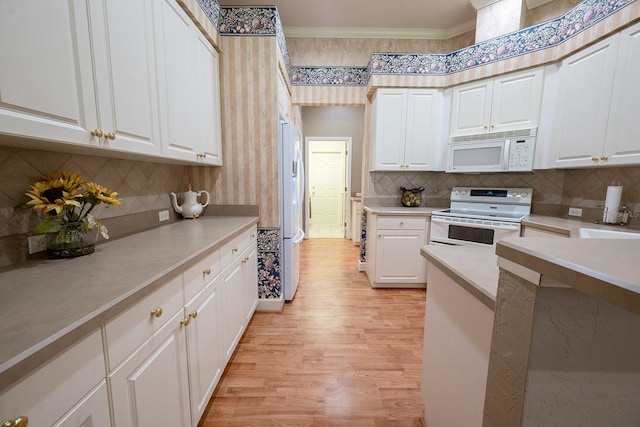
(328, 186)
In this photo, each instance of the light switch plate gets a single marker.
(163, 216)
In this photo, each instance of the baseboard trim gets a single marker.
(270, 304)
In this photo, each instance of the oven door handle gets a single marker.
(503, 226)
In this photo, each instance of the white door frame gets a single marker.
(347, 195)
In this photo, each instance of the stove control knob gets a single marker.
(525, 194)
(457, 193)
(464, 193)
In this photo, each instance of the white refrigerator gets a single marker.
(292, 182)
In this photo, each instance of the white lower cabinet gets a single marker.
(393, 251)
(156, 363)
(68, 391)
(151, 387)
(205, 346)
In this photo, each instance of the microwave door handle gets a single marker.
(506, 154)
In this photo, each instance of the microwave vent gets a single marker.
(495, 135)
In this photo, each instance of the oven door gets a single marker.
(447, 230)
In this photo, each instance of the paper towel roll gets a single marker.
(612, 204)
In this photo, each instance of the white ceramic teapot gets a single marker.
(190, 207)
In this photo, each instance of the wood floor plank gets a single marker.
(340, 354)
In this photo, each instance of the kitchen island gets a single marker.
(67, 323)
(563, 340)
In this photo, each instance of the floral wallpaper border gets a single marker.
(265, 21)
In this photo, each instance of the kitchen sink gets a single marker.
(594, 233)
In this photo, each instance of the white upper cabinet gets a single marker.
(125, 75)
(509, 102)
(187, 74)
(406, 126)
(622, 145)
(46, 75)
(108, 73)
(596, 112)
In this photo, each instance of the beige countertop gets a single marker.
(472, 267)
(394, 207)
(47, 305)
(606, 268)
(603, 268)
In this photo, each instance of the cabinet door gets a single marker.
(622, 145)
(208, 101)
(205, 346)
(46, 75)
(251, 283)
(92, 410)
(586, 81)
(471, 108)
(398, 258)
(516, 101)
(234, 298)
(422, 128)
(151, 387)
(125, 66)
(177, 81)
(390, 119)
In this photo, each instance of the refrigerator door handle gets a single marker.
(299, 237)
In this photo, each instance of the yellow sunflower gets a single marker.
(101, 193)
(48, 199)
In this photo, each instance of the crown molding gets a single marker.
(479, 4)
(531, 4)
(378, 33)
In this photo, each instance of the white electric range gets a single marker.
(480, 216)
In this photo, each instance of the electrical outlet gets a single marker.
(575, 211)
(37, 243)
(163, 216)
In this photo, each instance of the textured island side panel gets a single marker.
(584, 367)
(510, 345)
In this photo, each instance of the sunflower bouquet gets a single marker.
(65, 201)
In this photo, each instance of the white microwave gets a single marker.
(494, 155)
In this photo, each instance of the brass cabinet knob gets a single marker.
(201, 155)
(245, 259)
(207, 271)
(21, 421)
(604, 158)
(185, 322)
(234, 250)
(401, 223)
(110, 135)
(253, 236)
(156, 312)
(594, 158)
(97, 132)
(193, 314)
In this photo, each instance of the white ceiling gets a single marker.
(371, 18)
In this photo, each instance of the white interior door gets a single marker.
(327, 183)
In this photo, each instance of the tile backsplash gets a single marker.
(143, 187)
(554, 189)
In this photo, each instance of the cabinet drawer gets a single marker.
(134, 326)
(401, 223)
(232, 249)
(51, 391)
(197, 277)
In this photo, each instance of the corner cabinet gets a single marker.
(406, 129)
(393, 251)
(509, 102)
(596, 122)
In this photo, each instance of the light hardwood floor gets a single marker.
(340, 354)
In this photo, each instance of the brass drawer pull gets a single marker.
(207, 271)
(185, 322)
(156, 312)
(21, 421)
